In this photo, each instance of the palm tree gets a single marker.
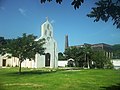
(87, 54)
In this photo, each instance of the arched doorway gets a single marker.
(71, 62)
(4, 62)
(47, 59)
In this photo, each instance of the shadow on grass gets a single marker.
(113, 87)
(1, 87)
(32, 72)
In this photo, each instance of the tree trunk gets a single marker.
(88, 63)
(20, 67)
(85, 61)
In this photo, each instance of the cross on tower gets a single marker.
(46, 18)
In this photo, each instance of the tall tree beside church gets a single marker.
(2, 45)
(25, 47)
(104, 10)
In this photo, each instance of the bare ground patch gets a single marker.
(24, 84)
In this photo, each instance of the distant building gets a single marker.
(96, 47)
(106, 47)
(100, 46)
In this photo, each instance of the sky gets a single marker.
(27, 16)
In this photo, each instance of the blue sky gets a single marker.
(26, 16)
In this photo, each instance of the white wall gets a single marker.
(62, 63)
(116, 63)
(9, 61)
(0, 61)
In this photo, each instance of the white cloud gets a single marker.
(2, 8)
(53, 21)
(22, 11)
(115, 35)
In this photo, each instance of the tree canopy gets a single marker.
(116, 51)
(104, 10)
(100, 60)
(25, 47)
(87, 57)
(79, 54)
(2, 45)
(61, 56)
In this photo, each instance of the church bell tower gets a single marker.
(50, 59)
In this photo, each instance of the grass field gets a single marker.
(59, 80)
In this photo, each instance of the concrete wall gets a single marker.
(116, 63)
(13, 62)
(0, 61)
(28, 63)
(62, 63)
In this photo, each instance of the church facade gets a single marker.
(50, 59)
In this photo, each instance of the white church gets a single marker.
(50, 59)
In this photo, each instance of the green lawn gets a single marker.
(59, 80)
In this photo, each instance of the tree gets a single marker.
(87, 54)
(100, 60)
(61, 56)
(75, 3)
(104, 10)
(25, 47)
(116, 51)
(2, 45)
(70, 52)
(77, 54)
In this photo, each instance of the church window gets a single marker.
(50, 33)
(45, 32)
(48, 38)
(48, 26)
